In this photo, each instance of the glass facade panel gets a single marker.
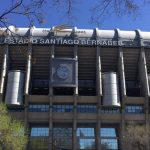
(134, 109)
(38, 108)
(63, 108)
(85, 132)
(108, 132)
(86, 108)
(111, 144)
(110, 110)
(62, 138)
(39, 131)
(109, 138)
(87, 143)
(16, 109)
(85, 138)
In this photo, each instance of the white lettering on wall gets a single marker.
(41, 40)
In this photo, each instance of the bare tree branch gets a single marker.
(11, 9)
(33, 9)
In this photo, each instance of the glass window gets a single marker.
(63, 108)
(108, 132)
(109, 138)
(110, 110)
(85, 138)
(87, 144)
(62, 138)
(86, 108)
(85, 132)
(38, 108)
(39, 131)
(15, 109)
(135, 109)
(111, 144)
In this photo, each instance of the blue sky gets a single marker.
(56, 17)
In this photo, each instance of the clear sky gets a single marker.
(56, 17)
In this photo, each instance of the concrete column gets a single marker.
(145, 88)
(52, 48)
(28, 70)
(4, 71)
(27, 97)
(74, 134)
(27, 85)
(75, 103)
(121, 132)
(147, 122)
(76, 75)
(1, 98)
(98, 72)
(51, 103)
(143, 74)
(51, 124)
(99, 94)
(121, 72)
(75, 123)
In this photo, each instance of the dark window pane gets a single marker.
(86, 108)
(62, 138)
(63, 108)
(110, 110)
(16, 109)
(38, 108)
(39, 131)
(134, 109)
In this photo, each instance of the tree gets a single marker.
(135, 137)
(34, 9)
(12, 131)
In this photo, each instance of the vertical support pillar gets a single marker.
(5, 63)
(75, 102)
(143, 73)
(98, 72)
(144, 83)
(4, 71)
(123, 93)
(99, 94)
(27, 81)
(28, 69)
(51, 102)
(145, 88)
(122, 73)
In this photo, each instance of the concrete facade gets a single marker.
(131, 61)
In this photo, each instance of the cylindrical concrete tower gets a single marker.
(111, 89)
(15, 85)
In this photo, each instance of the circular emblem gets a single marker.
(63, 72)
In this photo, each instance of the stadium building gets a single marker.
(75, 88)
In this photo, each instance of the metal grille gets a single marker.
(40, 62)
(18, 57)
